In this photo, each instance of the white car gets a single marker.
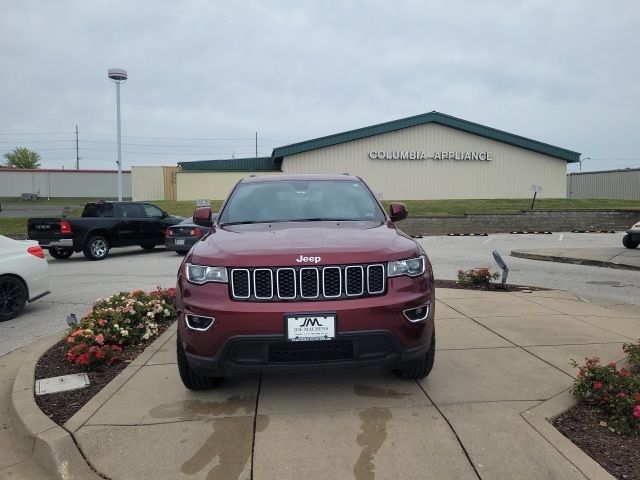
(24, 275)
(632, 238)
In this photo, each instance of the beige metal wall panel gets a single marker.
(613, 185)
(148, 183)
(509, 175)
(170, 182)
(64, 184)
(210, 185)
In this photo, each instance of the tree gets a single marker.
(22, 157)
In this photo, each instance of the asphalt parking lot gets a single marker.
(77, 282)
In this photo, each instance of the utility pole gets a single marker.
(256, 144)
(77, 151)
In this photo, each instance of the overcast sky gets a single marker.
(204, 76)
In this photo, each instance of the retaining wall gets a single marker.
(539, 220)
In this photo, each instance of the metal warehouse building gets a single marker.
(429, 156)
(607, 184)
(49, 183)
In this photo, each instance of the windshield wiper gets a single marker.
(246, 222)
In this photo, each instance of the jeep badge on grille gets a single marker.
(302, 259)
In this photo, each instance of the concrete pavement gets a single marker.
(500, 357)
(612, 257)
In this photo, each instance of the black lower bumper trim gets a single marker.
(272, 353)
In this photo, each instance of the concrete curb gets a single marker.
(48, 444)
(541, 417)
(576, 261)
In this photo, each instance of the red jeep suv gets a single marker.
(303, 271)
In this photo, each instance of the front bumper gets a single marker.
(273, 353)
(171, 243)
(249, 335)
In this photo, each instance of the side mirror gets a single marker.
(202, 216)
(398, 211)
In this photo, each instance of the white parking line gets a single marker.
(561, 237)
(488, 240)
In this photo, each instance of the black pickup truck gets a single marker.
(102, 226)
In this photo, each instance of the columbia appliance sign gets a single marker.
(421, 155)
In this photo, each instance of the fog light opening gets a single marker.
(417, 314)
(198, 322)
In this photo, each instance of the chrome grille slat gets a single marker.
(375, 278)
(328, 283)
(239, 277)
(307, 283)
(351, 276)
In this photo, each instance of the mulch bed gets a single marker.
(618, 454)
(491, 287)
(61, 406)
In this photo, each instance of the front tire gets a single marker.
(187, 375)
(422, 368)
(60, 253)
(97, 248)
(627, 242)
(13, 297)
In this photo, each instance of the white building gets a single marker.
(429, 156)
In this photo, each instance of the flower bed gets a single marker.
(112, 334)
(606, 421)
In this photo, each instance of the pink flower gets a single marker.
(636, 411)
(100, 339)
(612, 365)
(102, 322)
(621, 395)
(597, 386)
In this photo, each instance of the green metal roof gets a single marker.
(255, 164)
(431, 117)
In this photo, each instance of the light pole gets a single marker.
(582, 160)
(118, 75)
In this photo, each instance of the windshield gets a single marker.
(305, 200)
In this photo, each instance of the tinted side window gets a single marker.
(130, 210)
(152, 211)
(98, 210)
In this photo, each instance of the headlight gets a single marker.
(412, 267)
(202, 274)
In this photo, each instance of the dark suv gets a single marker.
(303, 271)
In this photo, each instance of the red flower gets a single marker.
(621, 395)
(116, 348)
(612, 365)
(100, 339)
(636, 411)
(102, 322)
(624, 373)
(83, 359)
(637, 396)
(597, 386)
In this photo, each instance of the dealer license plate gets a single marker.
(301, 327)
(179, 241)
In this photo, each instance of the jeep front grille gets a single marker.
(307, 283)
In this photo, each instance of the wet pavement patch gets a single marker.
(373, 433)
(200, 409)
(377, 392)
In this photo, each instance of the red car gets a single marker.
(303, 271)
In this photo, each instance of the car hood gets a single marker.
(294, 244)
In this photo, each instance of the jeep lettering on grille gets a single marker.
(303, 259)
